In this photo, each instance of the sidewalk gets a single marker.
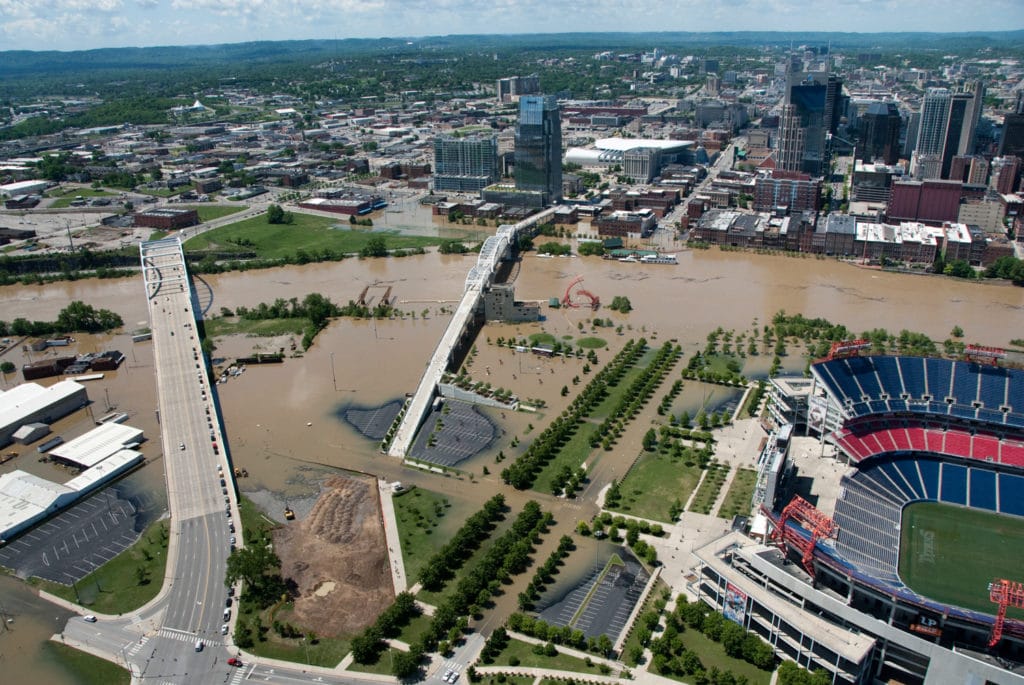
(394, 540)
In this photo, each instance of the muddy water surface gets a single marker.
(280, 418)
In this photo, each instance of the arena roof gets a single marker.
(98, 444)
(623, 144)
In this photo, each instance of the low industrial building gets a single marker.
(101, 442)
(27, 499)
(166, 218)
(32, 403)
(31, 432)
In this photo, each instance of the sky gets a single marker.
(87, 24)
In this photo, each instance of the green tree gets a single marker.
(251, 564)
(375, 247)
(275, 215)
(7, 367)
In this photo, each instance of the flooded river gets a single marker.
(282, 418)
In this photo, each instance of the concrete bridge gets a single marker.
(480, 276)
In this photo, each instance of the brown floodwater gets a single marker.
(282, 418)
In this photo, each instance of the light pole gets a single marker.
(334, 378)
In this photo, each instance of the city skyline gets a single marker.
(69, 25)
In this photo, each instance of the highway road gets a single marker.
(158, 643)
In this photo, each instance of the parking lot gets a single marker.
(373, 422)
(77, 541)
(464, 432)
(604, 609)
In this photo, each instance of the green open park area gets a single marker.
(306, 232)
(209, 212)
(521, 654)
(86, 668)
(654, 483)
(951, 553)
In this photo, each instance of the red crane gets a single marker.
(817, 524)
(1005, 593)
(567, 300)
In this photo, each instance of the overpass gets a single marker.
(480, 276)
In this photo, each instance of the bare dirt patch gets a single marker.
(338, 559)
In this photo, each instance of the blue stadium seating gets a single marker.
(992, 392)
(965, 383)
(912, 370)
(954, 483)
(893, 474)
(909, 471)
(1016, 399)
(982, 489)
(889, 375)
(864, 373)
(940, 374)
(929, 469)
(1011, 494)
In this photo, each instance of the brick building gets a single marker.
(167, 218)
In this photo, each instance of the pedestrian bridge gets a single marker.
(480, 276)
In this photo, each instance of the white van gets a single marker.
(199, 645)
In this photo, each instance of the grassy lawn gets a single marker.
(541, 339)
(326, 652)
(86, 669)
(737, 500)
(523, 651)
(709, 489)
(719, 363)
(255, 327)
(610, 403)
(157, 235)
(573, 453)
(381, 666)
(252, 518)
(660, 587)
(65, 199)
(307, 232)
(713, 655)
(592, 343)
(208, 212)
(505, 680)
(655, 482)
(163, 192)
(950, 553)
(416, 627)
(419, 514)
(115, 588)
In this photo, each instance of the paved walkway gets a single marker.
(387, 508)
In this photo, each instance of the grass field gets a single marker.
(737, 500)
(65, 199)
(654, 483)
(951, 554)
(419, 515)
(523, 653)
(306, 232)
(709, 488)
(255, 327)
(86, 668)
(712, 655)
(119, 585)
(210, 212)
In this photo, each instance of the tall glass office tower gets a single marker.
(539, 147)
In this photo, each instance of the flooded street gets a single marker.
(282, 418)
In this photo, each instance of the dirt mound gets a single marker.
(338, 560)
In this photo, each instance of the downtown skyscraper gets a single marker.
(538, 154)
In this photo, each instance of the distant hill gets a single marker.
(26, 62)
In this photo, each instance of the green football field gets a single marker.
(950, 554)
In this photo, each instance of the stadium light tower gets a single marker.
(1005, 593)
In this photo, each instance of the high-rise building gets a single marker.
(931, 132)
(1012, 140)
(880, 133)
(511, 87)
(790, 153)
(1005, 171)
(539, 147)
(465, 164)
(817, 100)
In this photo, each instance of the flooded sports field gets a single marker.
(286, 423)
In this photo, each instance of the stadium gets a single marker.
(917, 576)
